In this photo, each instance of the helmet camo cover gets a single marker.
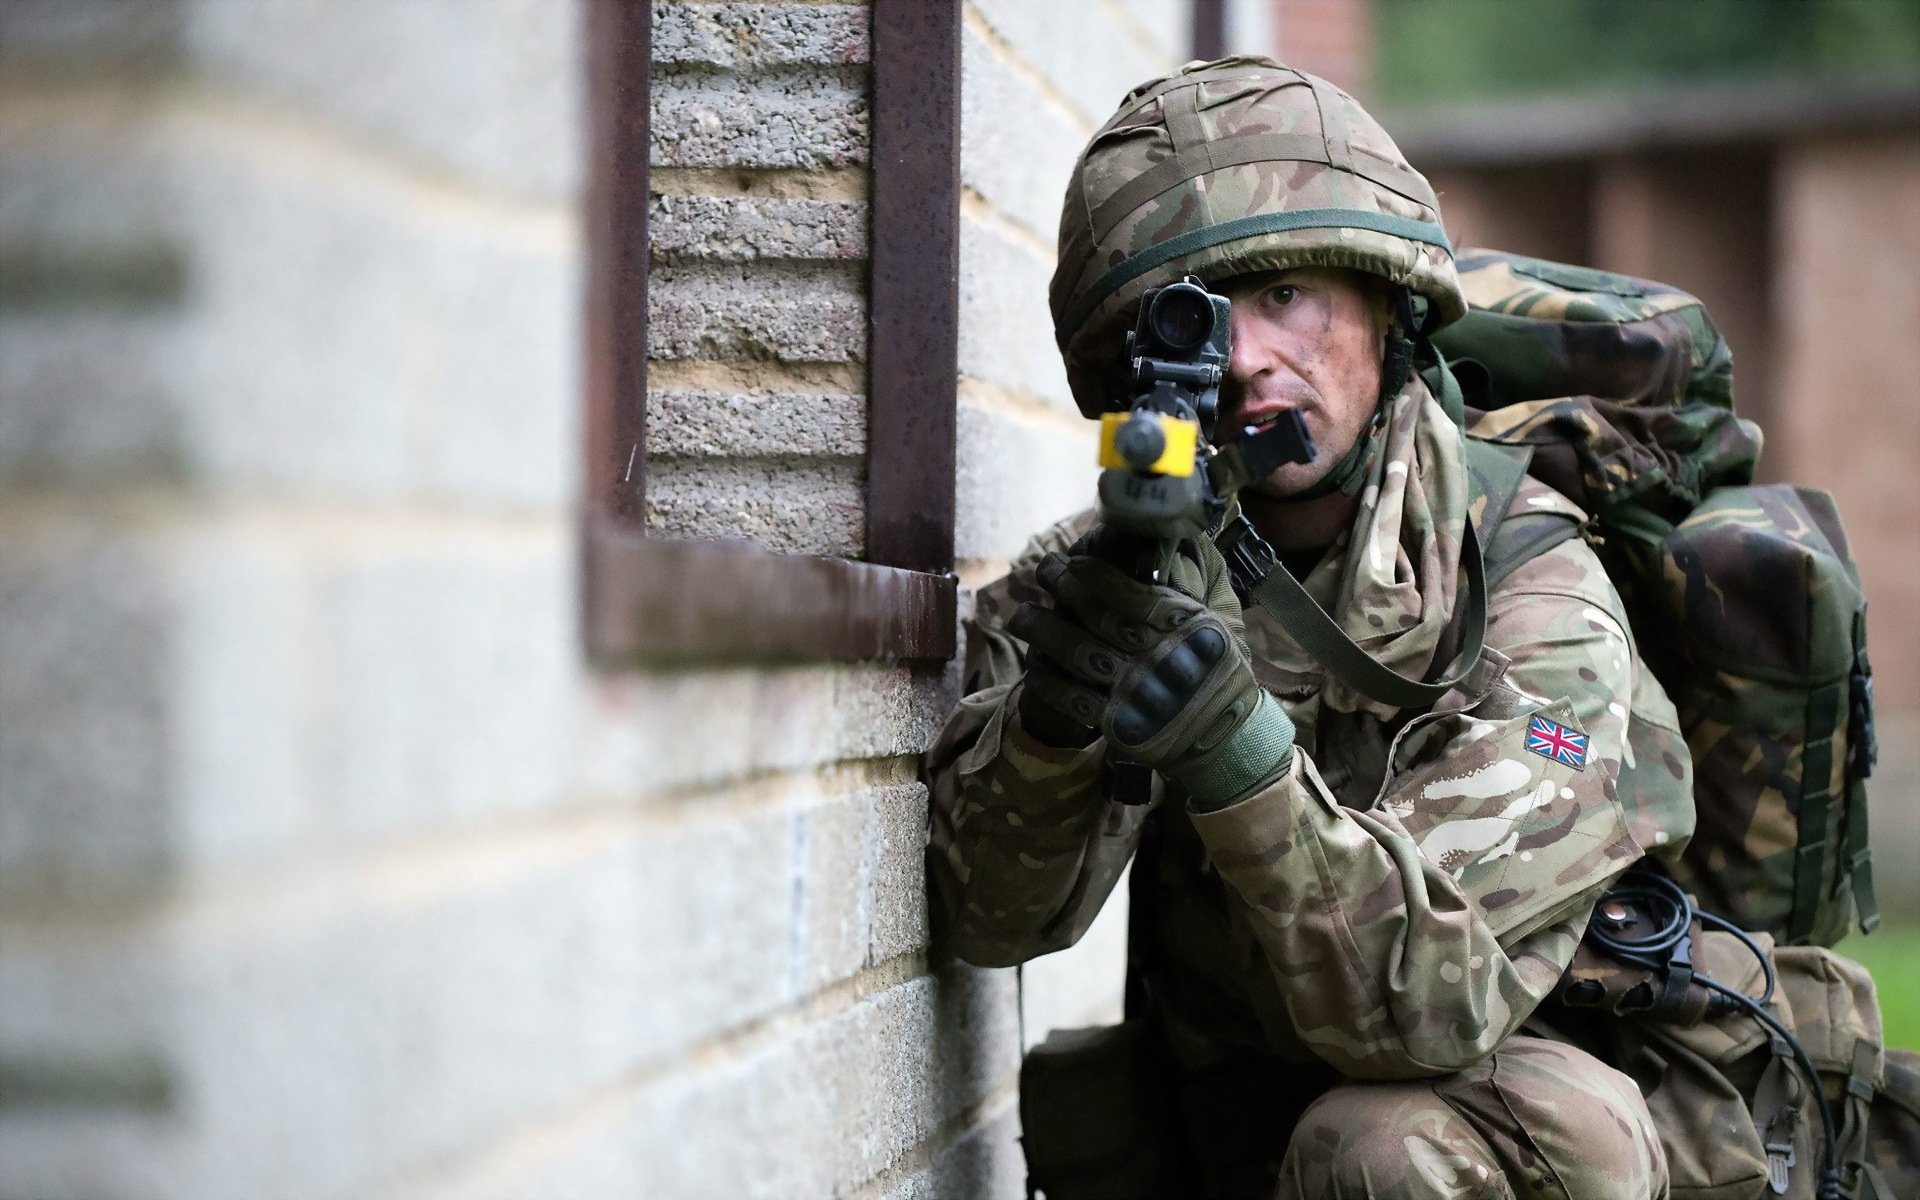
(1221, 169)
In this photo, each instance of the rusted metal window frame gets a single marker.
(654, 601)
(1209, 33)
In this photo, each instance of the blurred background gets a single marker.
(374, 823)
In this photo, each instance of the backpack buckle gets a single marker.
(1780, 1157)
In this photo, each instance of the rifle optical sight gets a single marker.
(1180, 316)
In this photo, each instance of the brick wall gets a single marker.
(326, 866)
(1330, 38)
(758, 293)
(1847, 305)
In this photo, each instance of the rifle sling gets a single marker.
(1315, 632)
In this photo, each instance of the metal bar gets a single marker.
(1209, 28)
(670, 603)
(620, 35)
(915, 295)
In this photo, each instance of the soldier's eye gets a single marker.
(1282, 294)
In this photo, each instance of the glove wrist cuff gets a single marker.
(1258, 751)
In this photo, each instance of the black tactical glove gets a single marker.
(1164, 676)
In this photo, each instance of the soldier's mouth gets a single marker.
(1242, 426)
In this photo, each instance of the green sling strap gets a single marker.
(1309, 625)
(1496, 472)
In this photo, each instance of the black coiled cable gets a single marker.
(1668, 908)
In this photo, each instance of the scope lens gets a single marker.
(1181, 317)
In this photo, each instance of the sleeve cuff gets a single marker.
(1264, 815)
(1258, 752)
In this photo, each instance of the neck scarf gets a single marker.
(1391, 581)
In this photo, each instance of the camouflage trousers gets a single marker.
(1538, 1119)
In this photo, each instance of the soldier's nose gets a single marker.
(1249, 355)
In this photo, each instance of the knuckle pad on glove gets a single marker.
(1167, 687)
(1098, 664)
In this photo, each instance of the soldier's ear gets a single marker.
(1389, 311)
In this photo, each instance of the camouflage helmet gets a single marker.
(1220, 169)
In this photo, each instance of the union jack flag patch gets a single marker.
(1561, 743)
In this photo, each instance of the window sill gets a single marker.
(654, 602)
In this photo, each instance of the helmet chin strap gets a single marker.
(1395, 368)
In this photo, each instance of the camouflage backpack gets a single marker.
(1743, 598)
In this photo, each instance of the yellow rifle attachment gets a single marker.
(1177, 437)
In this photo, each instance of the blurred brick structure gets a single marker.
(1794, 212)
(328, 867)
(1330, 38)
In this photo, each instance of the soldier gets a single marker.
(1340, 906)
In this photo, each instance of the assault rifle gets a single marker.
(1165, 479)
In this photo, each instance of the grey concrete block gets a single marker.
(815, 1113)
(706, 424)
(1016, 149)
(448, 684)
(97, 177)
(402, 1017)
(497, 425)
(77, 997)
(1090, 58)
(894, 872)
(94, 283)
(983, 1163)
(91, 34)
(830, 916)
(743, 229)
(1006, 331)
(1166, 26)
(88, 773)
(151, 715)
(793, 506)
(497, 100)
(1014, 477)
(785, 312)
(744, 36)
(672, 731)
(450, 363)
(218, 698)
(808, 117)
(88, 398)
(244, 674)
(450, 328)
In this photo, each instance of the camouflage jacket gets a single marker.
(1398, 903)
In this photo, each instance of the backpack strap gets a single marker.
(1861, 753)
(1851, 1147)
(1810, 856)
(1496, 470)
(1440, 380)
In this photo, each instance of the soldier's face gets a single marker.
(1309, 339)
